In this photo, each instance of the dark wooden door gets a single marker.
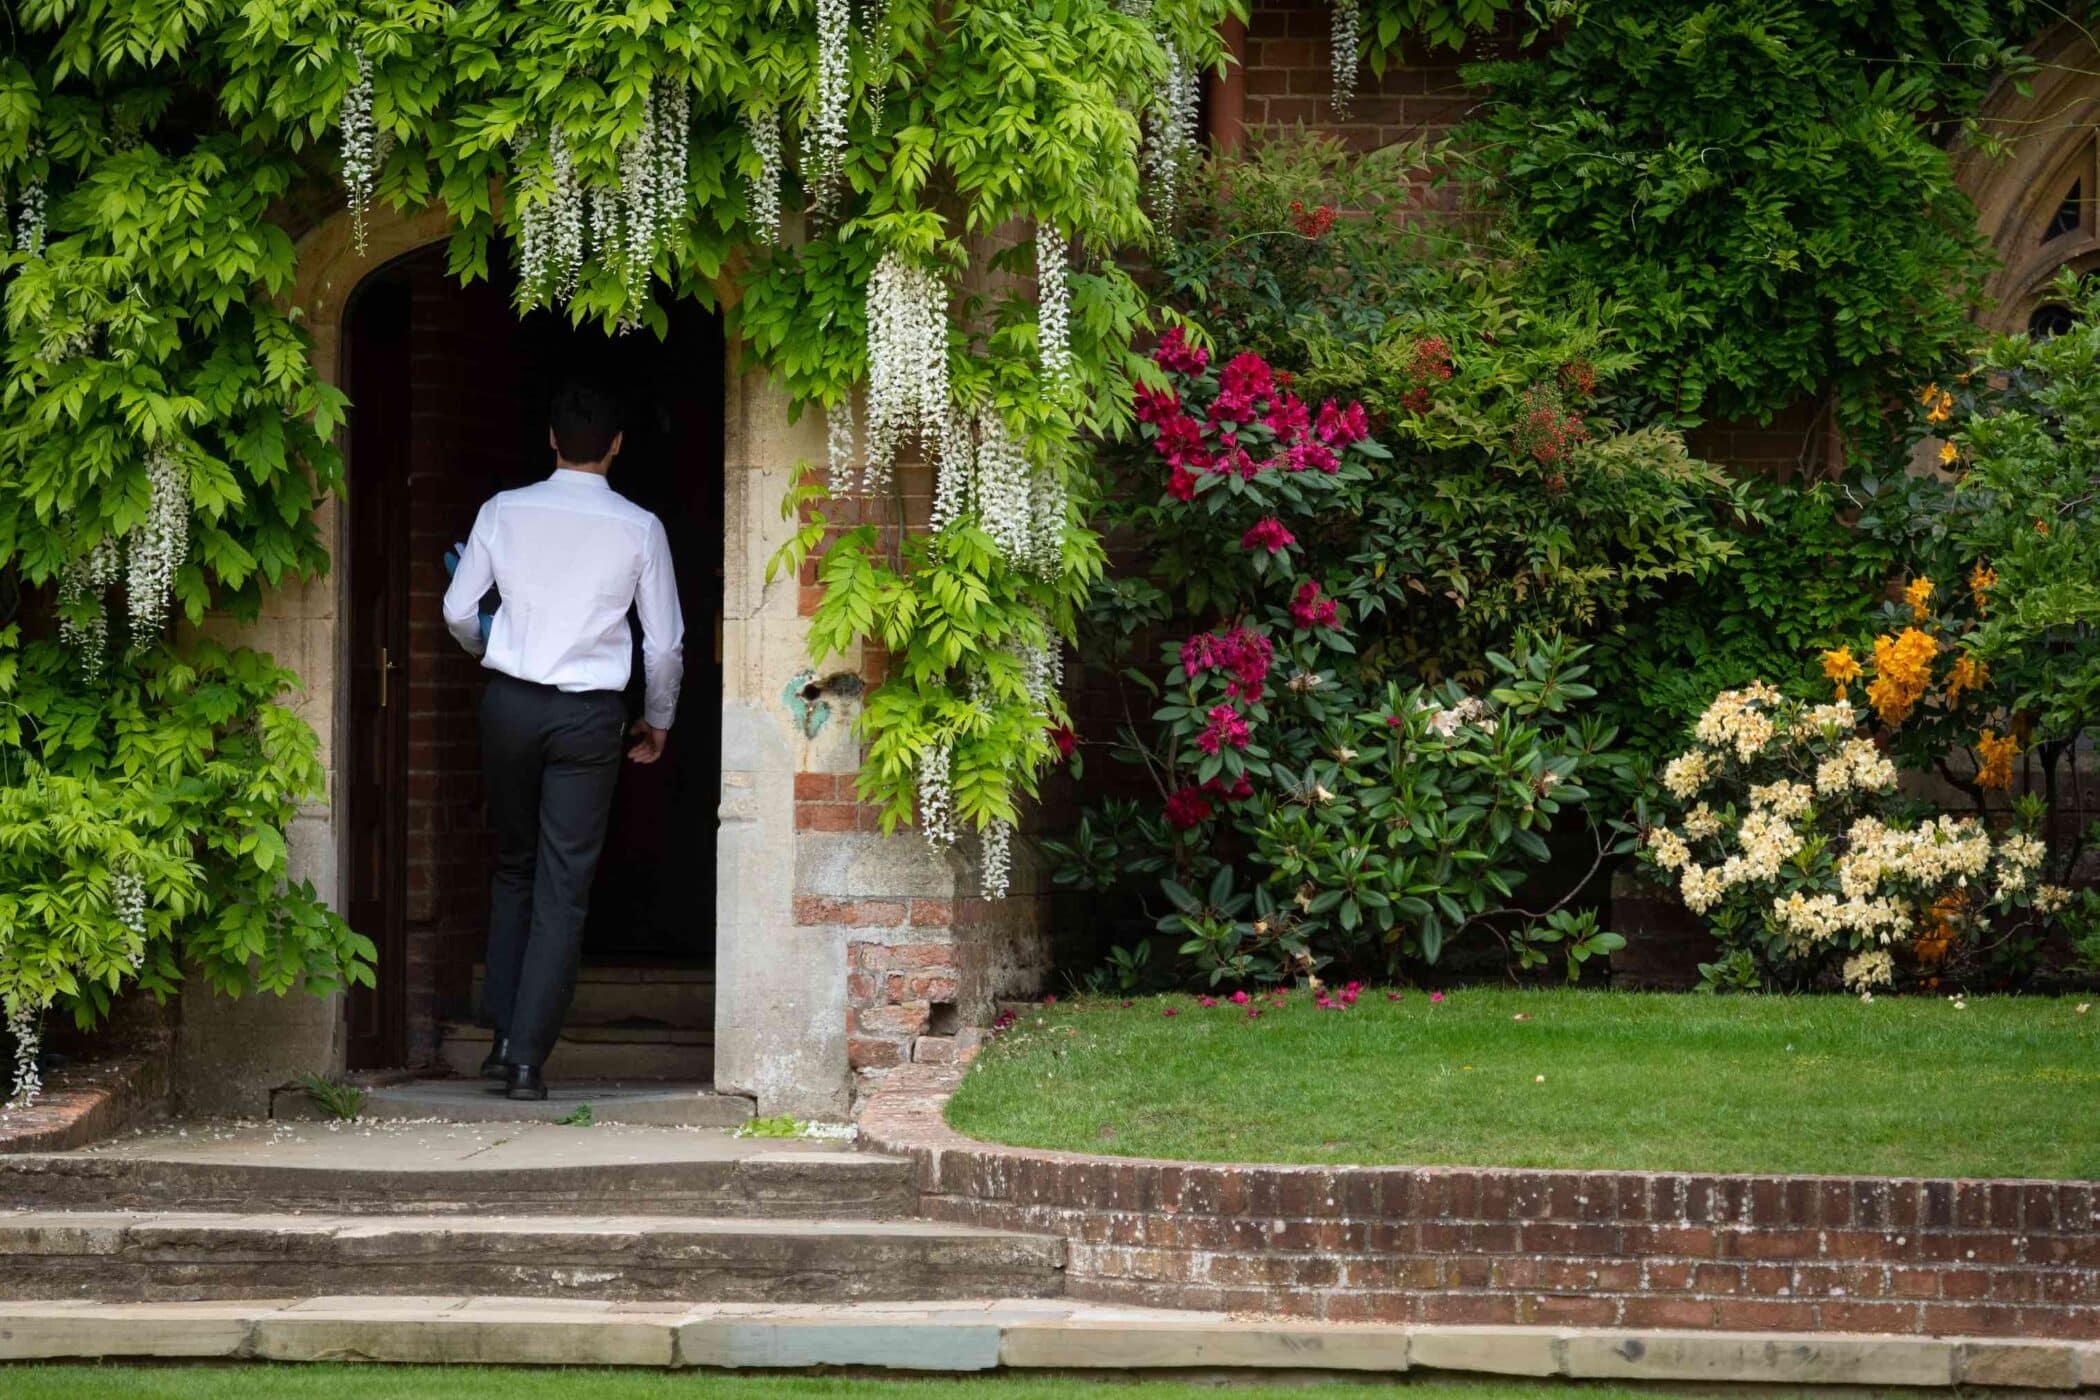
(374, 772)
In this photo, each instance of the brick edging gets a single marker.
(84, 1103)
(1501, 1246)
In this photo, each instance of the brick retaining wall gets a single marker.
(1501, 1246)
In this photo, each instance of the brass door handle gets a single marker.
(385, 665)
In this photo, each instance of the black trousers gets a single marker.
(552, 760)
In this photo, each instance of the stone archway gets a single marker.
(2039, 204)
(780, 1027)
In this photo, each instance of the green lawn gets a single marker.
(256, 1382)
(2002, 1087)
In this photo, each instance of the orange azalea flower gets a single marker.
(1982, 579)
(1919, 595)
(1994, 756)
(1902, 673)
(1937, 936)
(1840, 668)
(1967, 674)
(1949, 454)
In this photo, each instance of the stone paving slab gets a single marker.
(988, 1334)
(465, 1168)
(147, 1256)
(446, 1147)
(464, 1100)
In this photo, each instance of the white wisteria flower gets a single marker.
(87, 580)
(361, 152)
(29, 223)
(936, 797)
(1172, 139)
(1343, 36)
(25, 1026)
(907, 363)
(1003, 497)
(157, 546)
(996, 870)
(824, 136)
(1053, 300)
(762, 128)
(127, 899)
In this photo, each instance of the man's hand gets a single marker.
(648, 742)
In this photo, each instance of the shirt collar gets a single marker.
(572, 477)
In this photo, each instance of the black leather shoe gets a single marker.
(524, 1082)
(497, 1065)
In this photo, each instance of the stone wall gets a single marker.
(1498, 1246)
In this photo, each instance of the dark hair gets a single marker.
(585, 419)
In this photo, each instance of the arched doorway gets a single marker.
(448, 387)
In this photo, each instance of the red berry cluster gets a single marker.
(1547, 432)
(1312, 223)
(1429, 366)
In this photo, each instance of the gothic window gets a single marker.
(2050, 319)
(2068, 216)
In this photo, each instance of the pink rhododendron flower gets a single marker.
(1247, 373)
(1342, 426)
(1392, 996)
(1436, 996)
(1175, 353)
(1239, 998)
(1206, 1001)
(1156, 405)
(1245, 656)
(1180, 441)
(1238, 792)
(1253, 1013)
(1181, 484)
(1187, 808)
(1223, 725)
(1066, 741)
(1309, 454)
(1050, 1000)
(1268, 533)
(1171, 1011)
(1310, 610)
(1289, 418)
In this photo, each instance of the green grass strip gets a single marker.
(1994, 1086)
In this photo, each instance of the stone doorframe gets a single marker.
(779, 1022)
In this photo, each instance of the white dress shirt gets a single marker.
(569, 555)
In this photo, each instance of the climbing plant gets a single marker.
(1762, 190)
(907, 204)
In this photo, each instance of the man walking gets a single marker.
(567, 556)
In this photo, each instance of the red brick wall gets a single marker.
(1290, 81)
(1491, 1246)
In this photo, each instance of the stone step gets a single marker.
(596, 1052)
(1013, 1334)
(774, 1185)
(472, 1099)
(150, 1256)
(635, 994)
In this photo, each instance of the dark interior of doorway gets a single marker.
(448, 387)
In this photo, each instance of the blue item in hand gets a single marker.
(488, 617)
